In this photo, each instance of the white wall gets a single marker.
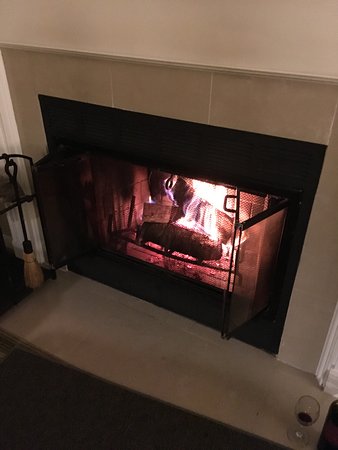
(292, 36)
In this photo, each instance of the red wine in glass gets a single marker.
(307, 412)
(304, 419)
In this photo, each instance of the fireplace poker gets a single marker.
(33, 274)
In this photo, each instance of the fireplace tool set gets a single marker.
(11, 196)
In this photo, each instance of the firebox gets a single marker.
(204, 221)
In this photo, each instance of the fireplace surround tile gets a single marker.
(19, 68)
(312, 317)
(169, 92)
(314, 294)
(275, 106)
(76, 78)
(317, 271)
(319, 261)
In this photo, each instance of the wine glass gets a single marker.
(307, 411)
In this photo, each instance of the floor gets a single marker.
(136, 344)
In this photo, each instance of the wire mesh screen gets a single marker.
(179, 224)
(255, 263)
(213, 234)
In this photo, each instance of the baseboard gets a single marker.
(331, 386)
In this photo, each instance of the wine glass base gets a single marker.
(298, 436)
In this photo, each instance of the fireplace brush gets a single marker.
(33, 274)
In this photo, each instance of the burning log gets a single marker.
(200, 210)
(224, 225)
(160, 213)
(175, 238)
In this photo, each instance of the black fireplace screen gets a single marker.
(213, 234)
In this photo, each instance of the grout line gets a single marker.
(334, 116)
(210, 95)
(111, 85)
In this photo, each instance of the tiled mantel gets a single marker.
(275, 105)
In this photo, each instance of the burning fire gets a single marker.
(212, 193)
(202, 205)
(188, 217)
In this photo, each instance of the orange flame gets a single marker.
(201, 209)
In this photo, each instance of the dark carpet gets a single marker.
(46, 405)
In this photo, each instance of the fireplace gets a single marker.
(204, 221)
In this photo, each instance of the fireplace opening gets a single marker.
(203, 221)
(216, 235)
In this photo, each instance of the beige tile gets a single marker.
(177, 93)
(76, 78)
(315, 290)
(305, 331)
(304, 298)
(39, 320)
(324, 218)
(32, 73)
(20, 75)
(328, 183)
(319, 261)
(318, 268)
(279, 107)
